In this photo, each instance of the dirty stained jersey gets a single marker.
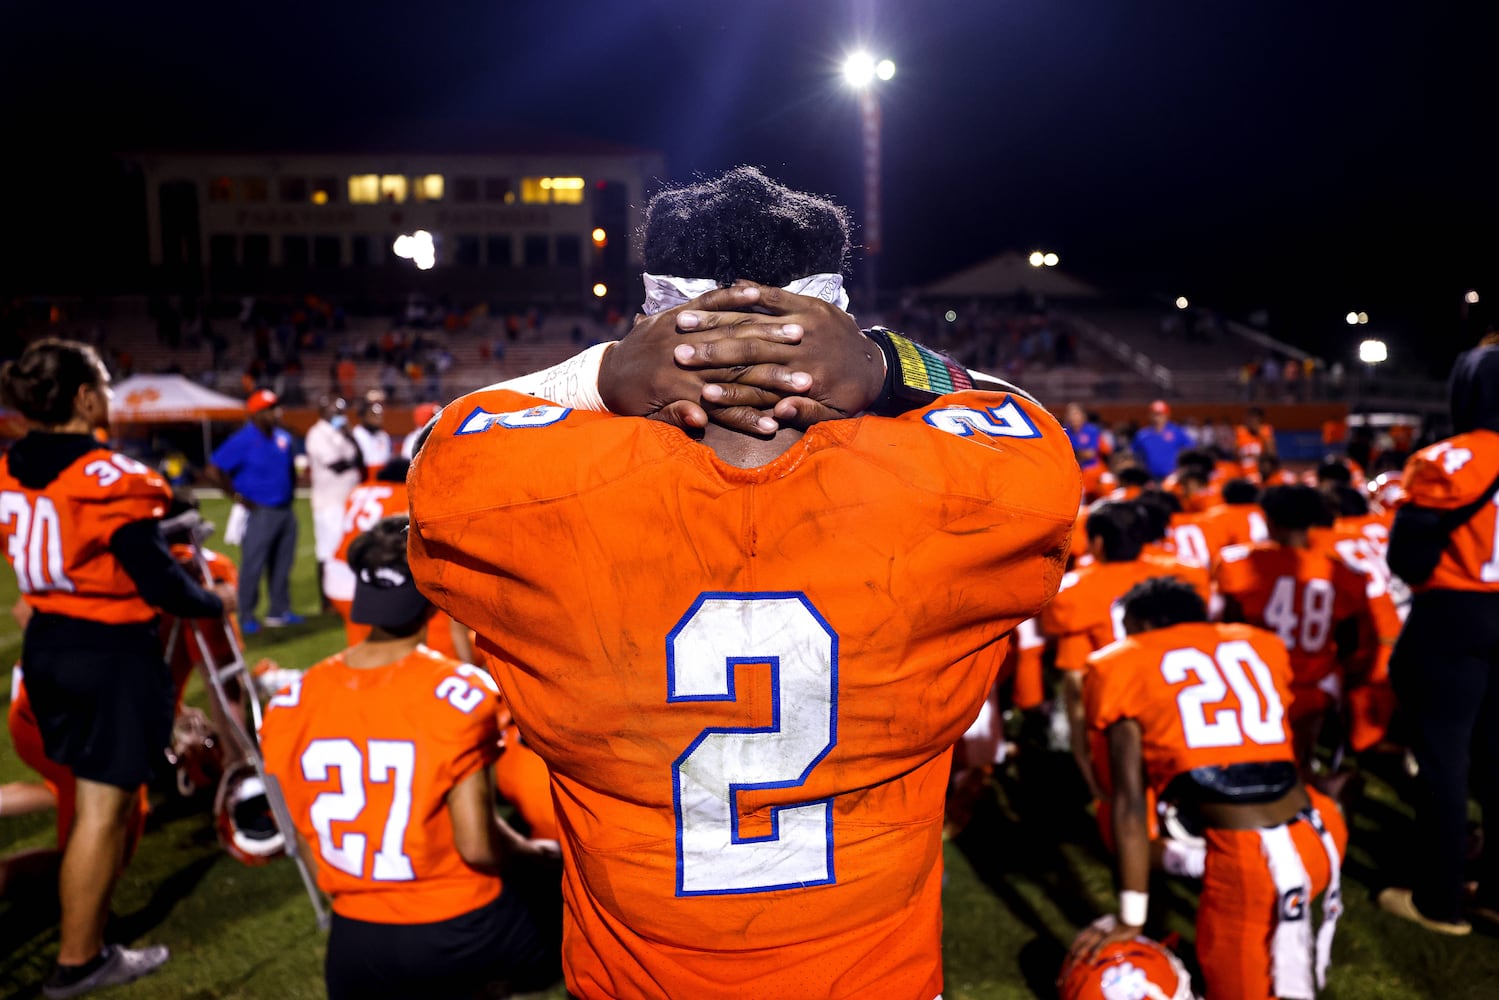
(746, 682)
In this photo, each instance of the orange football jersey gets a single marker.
(1204, 694)
(1238, 524)
(366, 506)
(746, 682)
(366, 759)
(1451, 474)
(57, 538)
(1084, 617)
(1252, 444)
(184, 650)
(1198, 538)
(1301, 595)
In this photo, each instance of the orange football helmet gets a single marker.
(1140, 969)
(242, 817)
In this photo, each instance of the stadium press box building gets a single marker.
(526, 222)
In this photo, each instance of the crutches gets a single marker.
(218, 675)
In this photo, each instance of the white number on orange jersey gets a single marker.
(366, 507)
(35, 543)
(1489, 571)
(460, 694)
(1259, 531)
(1192, 545)
(1314, 615)
(719, 633)
(390, 761)
(1260, 716)
(1005, 420)
(110, 471)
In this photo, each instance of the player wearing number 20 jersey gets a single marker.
(1203, 707)
(746, 681)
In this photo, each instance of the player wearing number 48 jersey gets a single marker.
(1317, 604)
(745, 660)
(1196, 713)
(383, 753)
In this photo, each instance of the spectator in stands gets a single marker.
(255, 468)
(371, 436)
(1158, 444)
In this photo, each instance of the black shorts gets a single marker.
(102, 696)
(497, 943)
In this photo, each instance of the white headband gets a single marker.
(666, 292)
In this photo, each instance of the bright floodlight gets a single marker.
(1051, 260)
(1363, 318)
(859, 69)
(950, 316)
(1037, 258)
(1352, 319)
(1471, 297)
(418, 248)
(600, 290)
(885, 69)
(600, 237)
(1372, 352)
(1181, 302)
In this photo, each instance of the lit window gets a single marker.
(364, 189)
(392, 187)
(427, 187)
(320, 197)
(221, 189)
(552, 190)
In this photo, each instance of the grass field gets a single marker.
(1024, 876)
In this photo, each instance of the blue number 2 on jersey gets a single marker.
(719, 632)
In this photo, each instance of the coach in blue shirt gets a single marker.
(1157, 445)
(255, 466)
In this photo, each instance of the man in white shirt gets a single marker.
(335, 467)
(371, 436)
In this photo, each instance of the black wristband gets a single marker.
(915, 376)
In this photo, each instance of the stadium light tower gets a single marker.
(863, 72)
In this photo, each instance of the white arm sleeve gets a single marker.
(574, 382)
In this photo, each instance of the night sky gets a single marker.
(1305, 157)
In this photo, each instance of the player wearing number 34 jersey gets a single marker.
(746, 681)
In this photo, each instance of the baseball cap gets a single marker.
(260, 399)
(385, 595)
(1159, 406)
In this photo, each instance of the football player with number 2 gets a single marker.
(745, 657)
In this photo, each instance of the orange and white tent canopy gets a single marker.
(166, 399)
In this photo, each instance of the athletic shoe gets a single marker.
(248, 626)
(122, 965)
(281, 621)
(1399, 902)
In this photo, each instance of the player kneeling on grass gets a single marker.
(1196, 711)
(384, 754)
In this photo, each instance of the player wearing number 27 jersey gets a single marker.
(746, 681)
